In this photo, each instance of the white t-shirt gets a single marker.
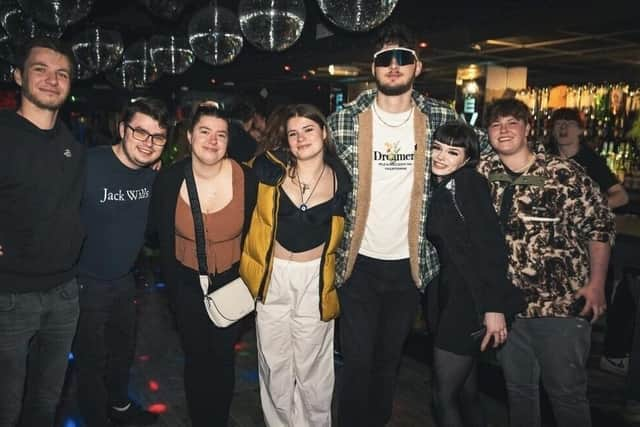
(386, 231)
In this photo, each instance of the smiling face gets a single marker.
(446, 159)
(306, 138)
(394, 79)
(508, 135)
(137, 138)
(209, 139)
(45, 79)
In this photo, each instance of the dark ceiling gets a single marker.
(558, 44)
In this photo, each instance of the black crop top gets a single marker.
(298, 230)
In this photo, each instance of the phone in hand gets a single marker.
(479, 334)
(577, 306)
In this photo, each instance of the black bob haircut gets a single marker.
(458, 134)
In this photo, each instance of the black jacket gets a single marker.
(465, 214)
(42, 175)
(161, 226)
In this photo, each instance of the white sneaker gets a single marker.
(615, 365)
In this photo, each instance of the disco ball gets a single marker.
(167, 9)
(137, 69)
(272, 25)
(357, 15)
(21, 27)
(7, 51)
(171, 54)
(97, 49)
(57, 13)
(83, 73)
(214, 35)
(6, 72)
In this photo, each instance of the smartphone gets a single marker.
(576, 307)
(479, 334)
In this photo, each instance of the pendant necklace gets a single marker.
(392, 125)
(305, 187)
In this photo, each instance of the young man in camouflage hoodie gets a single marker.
(559, 232)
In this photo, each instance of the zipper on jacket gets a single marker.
(276, 208)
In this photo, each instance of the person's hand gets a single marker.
(496, 329)
(157, 165)
(594, 301)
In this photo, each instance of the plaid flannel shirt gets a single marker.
(344, 130)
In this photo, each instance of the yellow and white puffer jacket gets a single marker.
(256, 261)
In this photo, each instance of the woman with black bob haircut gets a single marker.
(470, 301)
(226, 193)
(288, 263)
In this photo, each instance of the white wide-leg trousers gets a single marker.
(295, 348)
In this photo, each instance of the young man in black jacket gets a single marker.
(42, 170)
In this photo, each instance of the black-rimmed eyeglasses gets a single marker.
(142, 135)
(402, 55)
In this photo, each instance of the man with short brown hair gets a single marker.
(42, 171)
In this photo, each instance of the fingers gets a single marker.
(498, 337)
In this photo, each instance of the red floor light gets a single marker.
(144, 358)
(153, 385)
(157, 408)
(240, 345)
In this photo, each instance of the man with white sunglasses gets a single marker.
(384, 138)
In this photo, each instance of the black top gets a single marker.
(463, 227)
(161, 224)
(114, 210)
(596, 167)
(41, 179)
(242, 146)
(300, 230)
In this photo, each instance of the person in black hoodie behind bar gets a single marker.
(42, 170)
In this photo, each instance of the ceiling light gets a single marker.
(287, 67)
(423, 45)
(343, 70)
(476, 46)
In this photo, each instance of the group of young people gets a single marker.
(350, 216)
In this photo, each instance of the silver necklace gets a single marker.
(375, 111)
(305, 187)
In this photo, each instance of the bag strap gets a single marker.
(196, 212)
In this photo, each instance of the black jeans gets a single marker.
(36, 331)
(633, 376)
(209, 373)
(620, 320)
(553, 349)
(378, 307)
(104, 346)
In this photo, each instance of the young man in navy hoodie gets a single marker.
(42, 169)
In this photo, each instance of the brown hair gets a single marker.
(280, 141)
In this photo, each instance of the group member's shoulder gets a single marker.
(269, 166)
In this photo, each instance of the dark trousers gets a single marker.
(209, 374)
(620, 320)
(555, 350)
(104, 346)
(36, 331)
(378, 307)
(633, 376)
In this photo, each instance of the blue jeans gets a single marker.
(554, 350)
(36, 330)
